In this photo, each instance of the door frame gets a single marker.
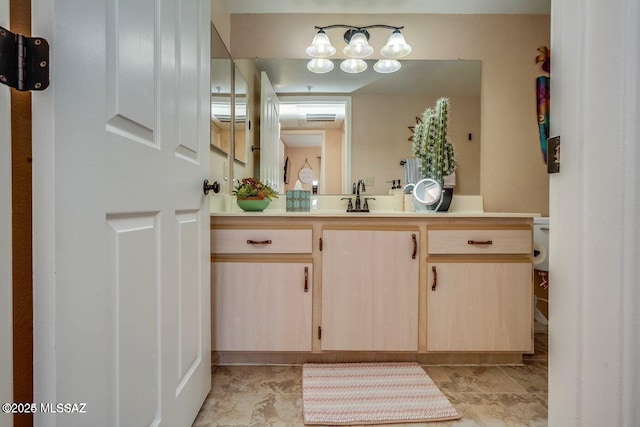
(593, 205)
(6, 275)
(44, 249)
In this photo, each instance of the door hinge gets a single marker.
(553, 154)
(319, 332)
(24, 61)
(321, 244)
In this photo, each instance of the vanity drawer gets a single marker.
(480, 241)
(261, 241)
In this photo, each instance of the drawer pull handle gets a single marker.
(306, 279)
(415, 246)
(435, 278)
(258, 242)
(476, 242)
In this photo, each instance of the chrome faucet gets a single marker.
(358, 203)
(359, 207)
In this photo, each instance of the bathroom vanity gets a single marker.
(336, 286)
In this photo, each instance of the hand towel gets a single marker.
(412, 171)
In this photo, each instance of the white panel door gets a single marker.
(121, 148)
(6, 318)
(270, 170)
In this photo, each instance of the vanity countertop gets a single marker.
(374, 214)
(383, 207)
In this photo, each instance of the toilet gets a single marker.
(541, 264)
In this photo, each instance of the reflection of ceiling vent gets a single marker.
(321, 117)
(225, 118)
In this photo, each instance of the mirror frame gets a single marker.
(219, 52)
(240, 145)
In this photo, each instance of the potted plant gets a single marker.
(432, 147)
(253, 195)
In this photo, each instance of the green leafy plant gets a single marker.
(431, 144)
(253, 187)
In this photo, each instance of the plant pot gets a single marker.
(253, 204)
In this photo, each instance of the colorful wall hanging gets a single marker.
(543, 98)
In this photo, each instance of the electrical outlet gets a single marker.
(369, 181)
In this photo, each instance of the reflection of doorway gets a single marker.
(317, 128)
(305, 148)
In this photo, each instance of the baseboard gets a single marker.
(293, 358)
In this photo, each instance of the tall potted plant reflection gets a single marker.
(432, 148)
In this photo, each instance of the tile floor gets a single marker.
(482, 395)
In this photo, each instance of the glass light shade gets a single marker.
(396, 46)
(320, 65)
(386, 66)
(358, 46)
(321, 46)
(353, 65)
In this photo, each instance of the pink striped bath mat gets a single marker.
(371, 393)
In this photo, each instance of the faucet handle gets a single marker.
(366, 203)
(349, 205)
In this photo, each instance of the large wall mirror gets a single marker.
(372, 139)
(221, 68)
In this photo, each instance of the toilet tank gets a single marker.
(541, 243)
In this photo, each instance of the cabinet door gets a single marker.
(479, 306)
(261, 306)
(369, 290)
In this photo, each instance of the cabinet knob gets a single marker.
(435, 278)
(306, 279)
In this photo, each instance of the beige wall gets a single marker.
(333, 139)
(512, 175)
(221, 20)
(380, 138)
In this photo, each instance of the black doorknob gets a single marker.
(206, 187)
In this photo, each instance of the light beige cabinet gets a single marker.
(262, 289)
(262, 306)
(370, 290)
(448, 289)
(479, 290)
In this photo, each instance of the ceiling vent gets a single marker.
(226, 118)
(321, 117)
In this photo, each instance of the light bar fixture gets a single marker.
(357, 48)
